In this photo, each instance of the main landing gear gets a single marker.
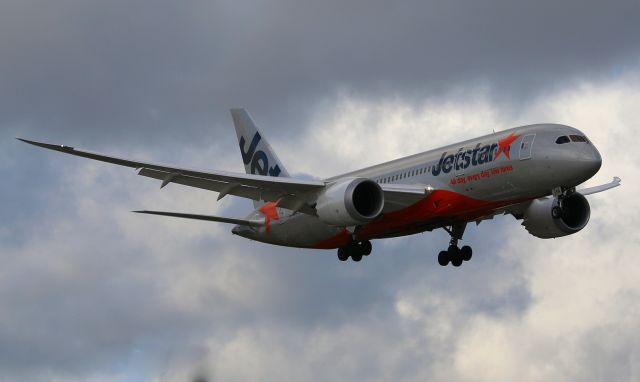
(454, 254)
(355, 250)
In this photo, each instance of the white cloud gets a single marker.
(354, 132)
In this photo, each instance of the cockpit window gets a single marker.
(562, 139)
(578, 138)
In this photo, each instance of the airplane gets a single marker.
(530, 172)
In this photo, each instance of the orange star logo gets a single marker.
(504, 145)
(270, 212)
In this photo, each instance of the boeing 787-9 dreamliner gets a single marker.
(530, 172)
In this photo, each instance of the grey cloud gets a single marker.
(122, 70)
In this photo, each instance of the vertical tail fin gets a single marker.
(257, 154)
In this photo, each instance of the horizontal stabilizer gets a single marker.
(220, 219)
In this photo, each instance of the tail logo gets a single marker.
(258, 159)
(270, 212)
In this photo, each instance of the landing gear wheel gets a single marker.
(356, 255)
(343, 255)
(443, 258)
(455, 255)
(365, 247)
(466, 253)
(456, 261)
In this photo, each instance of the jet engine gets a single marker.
(350, 202)
(553, 217)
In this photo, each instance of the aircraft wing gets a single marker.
(294, 194)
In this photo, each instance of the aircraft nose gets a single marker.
(590, 160)
(585, 163)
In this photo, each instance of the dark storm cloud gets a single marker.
(165, 70)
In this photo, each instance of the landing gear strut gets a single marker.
(355, 250)
(560, 193)
(454, 254)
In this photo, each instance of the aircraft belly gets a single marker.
(440, 208)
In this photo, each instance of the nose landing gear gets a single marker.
(454, 254)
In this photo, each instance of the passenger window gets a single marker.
(563, 139)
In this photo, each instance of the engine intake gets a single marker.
(556, 217)
(350, 202)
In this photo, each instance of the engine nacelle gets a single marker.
(350, 202)
(553, 217)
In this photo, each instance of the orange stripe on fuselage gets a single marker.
(439, 204)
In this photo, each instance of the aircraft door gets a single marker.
(526, 146)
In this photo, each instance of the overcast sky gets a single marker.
(90, 292)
